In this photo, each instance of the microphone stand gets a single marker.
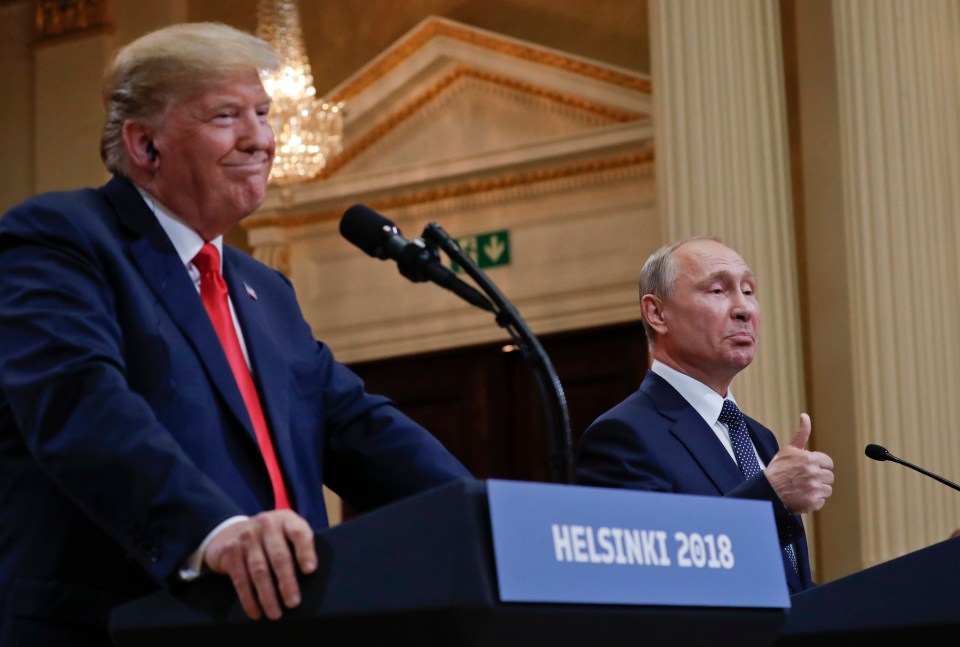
(878, 453)
(551, 392)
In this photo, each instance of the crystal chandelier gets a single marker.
(309, 130)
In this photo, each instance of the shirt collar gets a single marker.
(707, 402)
(185, 239)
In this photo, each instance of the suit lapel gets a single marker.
(268, 373)
(702, 443)
(153, 255)
(691, 430)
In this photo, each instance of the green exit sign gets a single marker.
(491, 249)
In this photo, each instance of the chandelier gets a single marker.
(309, 130)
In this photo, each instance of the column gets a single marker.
(722, 170)
(899, 103)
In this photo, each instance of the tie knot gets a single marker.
(730, 415)
(207, 259)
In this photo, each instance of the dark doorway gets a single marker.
(483, 403)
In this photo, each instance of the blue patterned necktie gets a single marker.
(746, 456)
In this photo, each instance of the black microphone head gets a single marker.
(876, 452)
(368, 230)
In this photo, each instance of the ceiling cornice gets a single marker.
(434, 27)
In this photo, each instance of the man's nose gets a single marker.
(257, 135)
(744, 307)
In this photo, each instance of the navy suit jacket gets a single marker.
(654, 440)
(123, 436)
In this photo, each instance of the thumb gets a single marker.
(800, 438)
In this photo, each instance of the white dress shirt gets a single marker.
(188, 242)
(707, 402)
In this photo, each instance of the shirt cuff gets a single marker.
(193, 567)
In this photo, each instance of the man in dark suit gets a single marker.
(682, 431)
(164, 407)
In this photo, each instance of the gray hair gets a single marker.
(659, 274)
(154, 72)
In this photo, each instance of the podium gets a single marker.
(422, 572)
(908, 600)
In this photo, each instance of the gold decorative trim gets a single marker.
(612, 115)
(57, 19)
(435, 28)
(474, 187)
(275, 255)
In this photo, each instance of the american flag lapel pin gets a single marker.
(250, 292)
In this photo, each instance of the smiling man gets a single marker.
(164, 407)
(682, 430)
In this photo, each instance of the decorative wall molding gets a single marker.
(576, 258)
(446, 85)
(435, 27)
(273, 250)
(59, 19)
(479, 133)
(529, 183)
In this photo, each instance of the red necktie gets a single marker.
(213, 292)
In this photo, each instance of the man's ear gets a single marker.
(138, 140)
(652, 308)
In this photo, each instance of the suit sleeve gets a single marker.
(371, 453)
(375, 453)
(64, 382)
(613, 454)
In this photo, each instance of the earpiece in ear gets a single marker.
(152, 153)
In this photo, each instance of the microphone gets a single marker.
(878, 453)
(417, 260)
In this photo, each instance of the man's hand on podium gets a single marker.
(256, 552)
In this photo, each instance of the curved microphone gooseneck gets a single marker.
(548, 383)
(880, 453)
(418, 260)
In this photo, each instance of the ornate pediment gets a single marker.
(449, 101)
(478, 132)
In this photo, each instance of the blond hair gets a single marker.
(166, 66)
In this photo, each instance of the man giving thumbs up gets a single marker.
(682, 431)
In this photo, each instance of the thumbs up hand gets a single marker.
(802, 479)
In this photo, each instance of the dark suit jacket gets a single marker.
(654, 440)
(123, 437)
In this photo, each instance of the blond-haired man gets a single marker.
(164, 407)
